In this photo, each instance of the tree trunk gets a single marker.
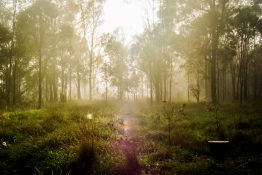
(255, 75)
(241, 72)
(213, 70)
(224, 81)
(165, 88)
(55, 88)
(198, 88)
(70, 81)
(188, 88)
(233, 79)
(78, 86)
(142, 88)
(218, 81)
(170, 86)
(157, 91)
(62, 77)
(10, 93)
(14, 81)
(246, 69)
(106, 91)
(91, 54)
(40, 63)
(214, 44)
(151, 90)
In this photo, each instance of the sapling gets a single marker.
(214, 109)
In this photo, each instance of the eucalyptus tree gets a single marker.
(246, 23)
(34, 25)
(217, 15)
(117, 65)
(91, 19)
(62, 44)
(65, 37)
(195, 49)
(149, 60)
(5, 39)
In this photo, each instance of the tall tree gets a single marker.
(91, 18)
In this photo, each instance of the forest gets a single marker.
(130, 87)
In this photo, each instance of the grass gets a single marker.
(189, 152)
(58, 139)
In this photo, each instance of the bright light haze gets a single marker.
(128, 16)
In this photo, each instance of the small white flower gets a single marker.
(4, 144)
(89, 116)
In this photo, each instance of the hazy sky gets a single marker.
(127, 15)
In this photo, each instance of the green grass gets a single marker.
(58, 139)
(189, 151)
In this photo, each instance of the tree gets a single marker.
(118, 70)
(34, 31)
(91, 14)
(5, 39)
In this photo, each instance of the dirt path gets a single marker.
(128, 127)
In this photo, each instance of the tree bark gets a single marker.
(40, 63)
(214, 40)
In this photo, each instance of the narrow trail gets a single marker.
(129, 141)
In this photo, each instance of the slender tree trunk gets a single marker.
(46, 78)
(188, 88)
(151, 90)
(62, 78)
(158, 90)
(106, 92)
(246, 69)
(70, 81)
(142, 88)
(165, 88)
(78, 86)
(14, 81)
(255, 75)
(198, 88)
(40, 63)
(66, 83)
(47, 88)
(147, 89)
(214, 40)
(91, 63)
(218, 81)
(170, 87)
(51, 92)
(224, 81)
(241, 73)
(205, 79)
(55, 86)
(214, 74)
(233, 80)
(10, 93)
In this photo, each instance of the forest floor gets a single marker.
(130, 138)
